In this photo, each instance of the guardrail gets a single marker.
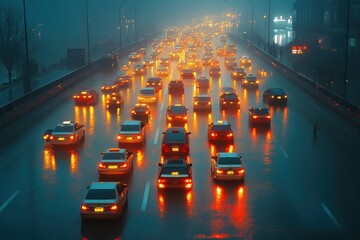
(23, 105)
(348, 111)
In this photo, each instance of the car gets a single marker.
(245, 61)
(187, 73)
(114, 100)
(206, 60)
(148, 62)
(86, 97)
(227, 166)
(147, 95)
(174, 174)
(132, 131)
(215, 71)
(140, 111)
(125, 67)
(227, 90)
(238, 73)
(142, 52)
(231, 50)
(220, 131)
(176, 87)
(65, 133)
(104, 200)
(134, 57)
(175, 142)
(110, 87)
(181, 65)
(221, 51)
(162, 71)
(262, 73)
(202, 102)
(139, 70)
(202, 82)
(275, 96)
(259, 116)
(215, 63)
(154, 56)
(116, 161)
(176, 113)
(229, 100)
(124, 80)
(174, 55)
(250, 81)
(164, 61)
(230, 61)
(154, 82)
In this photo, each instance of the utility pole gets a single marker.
(346, 49)
(87, 33)
(26, 81)
(120, 22)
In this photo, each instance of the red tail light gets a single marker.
(85, 208)
(219, 171)
(123, 165)
(230, 135)
(185, 148)
(161, 183)
(51, 137)
(101, 165)
(113, 208)
(138, 137)
(165, 148)
(268, 117)
(213, 134)
(119, 137)
(255, 116)
(241, 171)
(72, 137)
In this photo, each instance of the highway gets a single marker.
(297, 186)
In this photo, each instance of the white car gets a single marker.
(147, 95)
(116, 161)
(65, 133)
(227, 166)
(104, 200)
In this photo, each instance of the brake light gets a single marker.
(255, 116)
(185, 117)
(196, 103)
(101, 165)
(138, 137)
(241, 171)
(188, 180)
(272, 96)
(165, 148)
(119, 137)
(213, 134)
(268, 117)
(185, 148)
(72, 137)
(133, 112)
(123, 165)
(239, 102)
(169, 118)
(51, 137)
(161, 183)
(224, 102)
(230, 135)
(219, 171)
(84, 207)
(113, 208)
(285, 96)
(209, 103)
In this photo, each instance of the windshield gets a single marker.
(229, 160)
(108, 156)
(147, 91)
(100, 194)
(130, 128)
(221, 128)
(64, 129)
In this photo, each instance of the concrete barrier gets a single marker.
(23, 105)
(349, 112)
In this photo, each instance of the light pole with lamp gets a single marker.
(120, 22)
(268, 33)
(87, 33)
(264, 29)
(26, 81)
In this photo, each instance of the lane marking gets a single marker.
(283, 152)
(331, 216)
(156, 136)
(146, 196)
(162, 106)
(8, 201)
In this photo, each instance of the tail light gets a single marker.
(272, 96)
(185, 117)
(74, 96)
(84, 207)
(219, 171)
(123, 165)
(285, 96)
(72, 137)
(196, 103)
(101, 165)
(169, 118)
(268, 117)
(224, 102)
(229, 135)
(255, 116)
(51, 137)
(147, 112)
(133, 112)
(113, 208)
(213, 134)
(161, 183)
(138, 137)
(188, 182)
(119, 137)
(107, 101)
(239, 102)
(165, 148)
(185, 148)
(209, 103)
(241, 171)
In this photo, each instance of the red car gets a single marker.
(86, 97)
(220, 131)
(175, 142)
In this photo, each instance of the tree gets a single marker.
(11, 38)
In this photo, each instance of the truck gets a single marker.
(132, 131)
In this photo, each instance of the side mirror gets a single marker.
(164, 132)
(190, 164)
(102, 153)
(213, 157)
(160, 164)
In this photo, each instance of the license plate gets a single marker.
(279, 97)
(129, 138)
(175, 149)
(230, 172)
(231, 102)
(178, 116)
(61, 139)
(99, 209)
(112, 166)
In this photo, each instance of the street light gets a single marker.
(265, 28)
(26, 80)
(268, 38)
(120, 21)
(87, 33)
(136, 25)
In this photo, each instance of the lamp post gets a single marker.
(120, 22)
(87, 33)
(26, 80)
(346, 49)
(268, 38)
(136, 20)
(265, 28)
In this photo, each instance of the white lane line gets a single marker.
(146, 196)
(283, 152)
(8, 201)
(156, 136)
(162, 106)
(331, 216)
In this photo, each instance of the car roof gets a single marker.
(117, 150)
(202, 96)
(148, 88)
(66, 123)
(227, 154)
(221, 122)
(103, 185)
(175, 130)
(154, 79)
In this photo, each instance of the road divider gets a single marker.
(8, 201)
(331, 216)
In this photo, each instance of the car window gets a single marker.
(261, 111)
(107, 156)
(177, 109)
(221, 127)
(100, 194)
(174, 171)
(129, 128)
(229, 160)
(175, 137)
(64, 129)
(147, 91)
(229, 96)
